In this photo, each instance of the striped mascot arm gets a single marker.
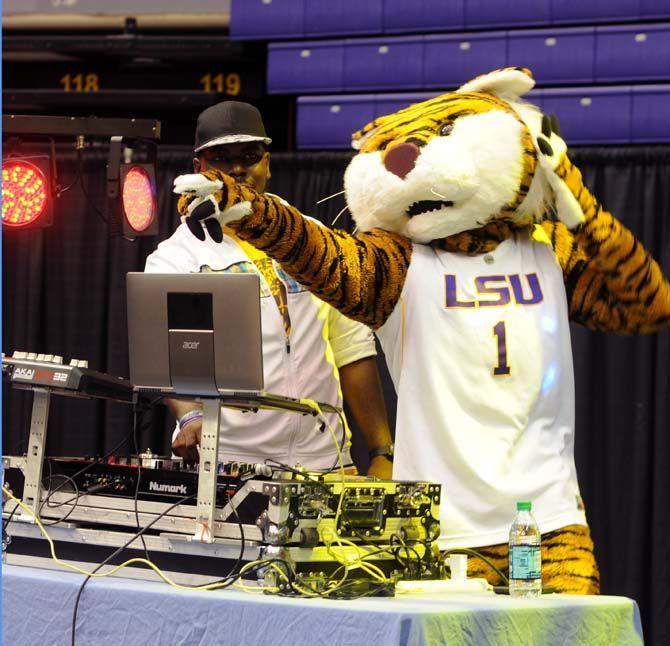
(613, 283)
(361, 276)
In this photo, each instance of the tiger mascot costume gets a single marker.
(478, 243)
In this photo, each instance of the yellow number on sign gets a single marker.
(80, 83)
(206, 82)
(233, 84)
(65, 82)
(92, 83)
(221, 83)
(218, 83)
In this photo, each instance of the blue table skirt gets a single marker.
(37, 609)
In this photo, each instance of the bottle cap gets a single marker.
(523, 505)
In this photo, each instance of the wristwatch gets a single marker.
(386, 451)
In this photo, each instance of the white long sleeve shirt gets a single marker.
(321, 341)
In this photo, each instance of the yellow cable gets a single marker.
(315, 406)
(155, 568)
(348, 564)
(355, 563)
(159, 572)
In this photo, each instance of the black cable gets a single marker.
(340, 593)
(67, 478)
(96, 461)
(8, 520)
(466, 550)
(140, 534)
(343, 442)
(116, 553)
(364, 539)
(404, 546)
(148, 407)
(242, 541)
(60, 504)
(77, 177)
(6, 539)
(139, 478)
(226, 581)
(234, 574)
(49, 492)
(89, 201)
(47, 499)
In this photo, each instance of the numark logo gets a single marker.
(167, 488)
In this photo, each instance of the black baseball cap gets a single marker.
(229, 122)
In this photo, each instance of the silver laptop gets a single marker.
(195, 334)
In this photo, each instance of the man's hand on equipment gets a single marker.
(186, 443)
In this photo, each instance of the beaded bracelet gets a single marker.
(189, 417)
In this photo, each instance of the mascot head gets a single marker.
(451, 164)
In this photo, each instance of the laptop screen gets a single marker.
(195, 334)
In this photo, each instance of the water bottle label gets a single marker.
(525, 562)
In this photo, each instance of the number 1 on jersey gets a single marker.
(499, 331)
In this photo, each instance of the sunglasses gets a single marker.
(245, 158)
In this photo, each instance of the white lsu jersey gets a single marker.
(479, 351)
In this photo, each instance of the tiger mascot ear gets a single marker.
(359, 137)
(510, 83)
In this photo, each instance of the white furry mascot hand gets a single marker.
(552, 157)
(211, 199)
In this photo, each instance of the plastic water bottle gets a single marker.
(525, 561)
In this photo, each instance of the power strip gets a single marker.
(442, 586)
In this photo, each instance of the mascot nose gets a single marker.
(401, 159)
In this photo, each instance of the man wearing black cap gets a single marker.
(309, 349)
(231, 136)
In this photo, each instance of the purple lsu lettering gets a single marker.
(498, 287)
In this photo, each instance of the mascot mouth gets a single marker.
(424, 206)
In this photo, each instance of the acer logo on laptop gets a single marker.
(190, 345)
(167, 488)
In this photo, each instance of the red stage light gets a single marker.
(138, 197)
(25, 193)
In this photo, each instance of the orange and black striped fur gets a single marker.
(612, 283)
(568, 564)
(362, 275)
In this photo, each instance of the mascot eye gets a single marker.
(446, 129)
